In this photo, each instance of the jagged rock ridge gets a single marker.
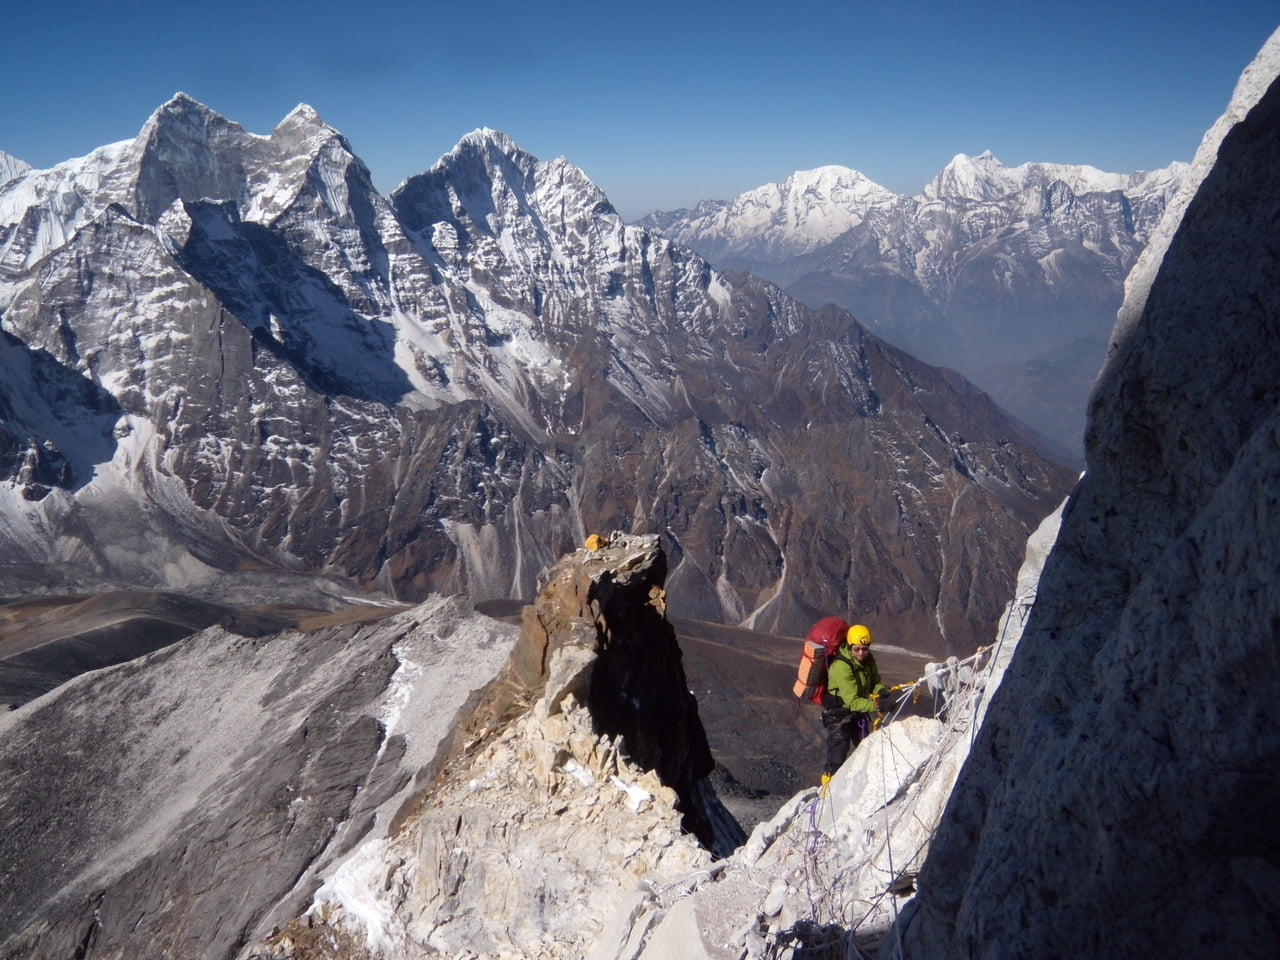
(226, 354)
(831, 870)
(494, 785)
(540, 830)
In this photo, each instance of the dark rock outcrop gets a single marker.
(598, 631)
(637, 688)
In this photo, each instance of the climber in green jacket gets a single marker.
(852, 700)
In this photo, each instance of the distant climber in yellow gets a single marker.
(851, 703)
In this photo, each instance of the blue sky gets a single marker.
(661, 103)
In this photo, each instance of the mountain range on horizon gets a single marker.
(1010, 275)
(232, 368)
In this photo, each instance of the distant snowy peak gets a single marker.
(486, 138)
(185, 152)
(975, 178)
(188, 119)
(303, 133)
(491, 151)
(488, 180)
(834, 183)
(985, 178)
(11, 167)
(806, 211)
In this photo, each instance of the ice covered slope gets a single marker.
(11, 167)
(1120, 799)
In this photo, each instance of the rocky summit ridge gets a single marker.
(233, 369)
(427, 784)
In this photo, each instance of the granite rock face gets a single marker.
(1120, 798)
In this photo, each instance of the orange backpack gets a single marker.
(820, 648)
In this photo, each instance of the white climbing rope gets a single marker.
(955, 704)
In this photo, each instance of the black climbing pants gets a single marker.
(845, 731)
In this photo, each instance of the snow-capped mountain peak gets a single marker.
(976, 178)
(11, 167)
(491, 150)
(983, 178)
(305, 115)
(807, 210)
(485, 138)
(488, 181)
(303, 130)
(182, 106)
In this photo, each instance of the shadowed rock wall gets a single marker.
(1120, 799)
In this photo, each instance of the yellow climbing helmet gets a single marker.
(859, 636)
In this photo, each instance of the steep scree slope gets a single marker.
(538, 831)
(183, 803)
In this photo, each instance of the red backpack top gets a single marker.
(820, 648)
